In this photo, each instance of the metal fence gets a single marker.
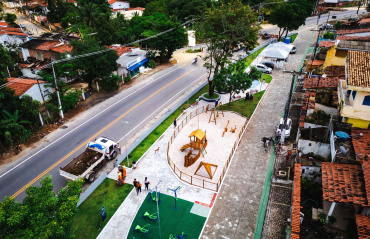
(192, 179)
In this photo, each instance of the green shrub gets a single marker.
(193, 51)
(151, 64)
(328, 35)
(338, 25)
(70, 99)
(110, 83)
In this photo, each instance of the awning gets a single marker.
(138, 64)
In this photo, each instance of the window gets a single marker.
(354, 94)
(39, 55)
(366, 100)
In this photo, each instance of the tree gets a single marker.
(232, 79)
(167, 43)
(93, 67)
(156, 6)
(254, 73)
(10, 19)
(186, 9)
(43, 214)
(289, 17)
(223, 28)
(13, 127)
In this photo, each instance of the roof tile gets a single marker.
(327, 82)
(350, 31)
(20, 86)
(358, 68)
(363, 226)
(343, 183)
(361, 143)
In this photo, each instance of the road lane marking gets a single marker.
(90, 118)
(95, 135)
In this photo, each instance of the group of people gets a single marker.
(121, 175)
(137, 185)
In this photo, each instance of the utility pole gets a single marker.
(328, 18)
(359, 4)
(43, 98)
(56, 89)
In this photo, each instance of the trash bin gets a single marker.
(287, 40)
(133, 164)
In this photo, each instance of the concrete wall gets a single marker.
(12, 39)
(28, 74)
(25, 54)
(119, 5)
(34, 92)
(332, 60)
(326, 109)
(357, 113)
(364, 124)
(308, 125)
(131, 13)
(317, 148)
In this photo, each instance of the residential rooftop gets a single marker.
(363, 226)
(296, 211)
(361, 143)
(20, 86)
(358, 68)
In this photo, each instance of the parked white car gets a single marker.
(263, 68)
(280, 128)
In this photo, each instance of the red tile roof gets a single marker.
(343, 183)
(358, 68)
(338, 71)
(3, 24)
(361, 144)
(326, 43)
(354, 38)
(62, 48)
(13, 33)
(363, 226)
(20, 86)
(316, 62)
(47, 45)
(366, 20)
(327, 82)
(113, 1)
(366, 168)
(343, 31)
(120, 49)
(136, 8)
(296, 220)
(11, 29)
(308, 102)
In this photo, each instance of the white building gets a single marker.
(30, 87)
(119, 5)
(9, 35)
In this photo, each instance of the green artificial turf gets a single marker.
(139, 151)
(268, 78)
(244, 107)
(292, 38)
(86, 221)
(171, 221)
(249, 59)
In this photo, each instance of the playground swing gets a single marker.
(214, 117)
(153, 216)
(142, 229)
(225, 130)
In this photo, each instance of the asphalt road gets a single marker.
(133, 105)
(34, 29)
(136, 105)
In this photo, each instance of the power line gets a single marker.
(97, 52)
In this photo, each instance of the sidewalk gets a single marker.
(237, 205)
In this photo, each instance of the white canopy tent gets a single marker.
(281, 45)
(278, 52)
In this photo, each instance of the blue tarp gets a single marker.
(138, 64)
(100, 147)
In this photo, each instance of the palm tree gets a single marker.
(12, 125)
(89, 14)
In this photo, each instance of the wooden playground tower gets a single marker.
(198, 141)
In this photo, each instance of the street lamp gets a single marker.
(159, 220)
(56, 90)
(198, 100)
(123, 125)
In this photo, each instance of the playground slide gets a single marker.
(193, 145)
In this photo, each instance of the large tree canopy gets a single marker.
(43, 214)
(224, 28)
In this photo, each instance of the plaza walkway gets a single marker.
(237, 205)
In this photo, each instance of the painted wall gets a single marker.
(34, 92)
(25, 53)
(334, 58)
(130, 14)
(317, 148)
(364, 124)
(120, 5)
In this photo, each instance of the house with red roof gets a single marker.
(10, 35)
(3, 24)
(30, 87)
(119, 5)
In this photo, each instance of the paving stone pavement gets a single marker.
(236, 208)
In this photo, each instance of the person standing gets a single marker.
(119, 181)
(138, 187)
(135, 184)
(174, 122)
(146, 182)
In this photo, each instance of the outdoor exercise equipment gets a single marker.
(174, 190)
(153, 216)
(178, 236)
(153, 196)
(232, 130)
(225, 130)
(214, 116)
(143, 229)
(206, 168)
(198, 141)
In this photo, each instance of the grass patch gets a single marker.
(268, 78)
(215, 96)
(172, 221)
(249, 59)
(86, 221)
(245, 107)
(139, 151)
(292, 38)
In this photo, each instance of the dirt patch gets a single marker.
(96, 98)
(79, 165)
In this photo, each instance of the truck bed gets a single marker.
(80, 164)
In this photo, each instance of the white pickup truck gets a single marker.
(91, 160)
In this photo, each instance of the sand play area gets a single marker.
(217, 150)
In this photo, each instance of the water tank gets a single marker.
(342, 136)
(287, 40)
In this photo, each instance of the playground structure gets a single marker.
(225, 130)
(219, 150)
(198, 141)
(215, 113)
